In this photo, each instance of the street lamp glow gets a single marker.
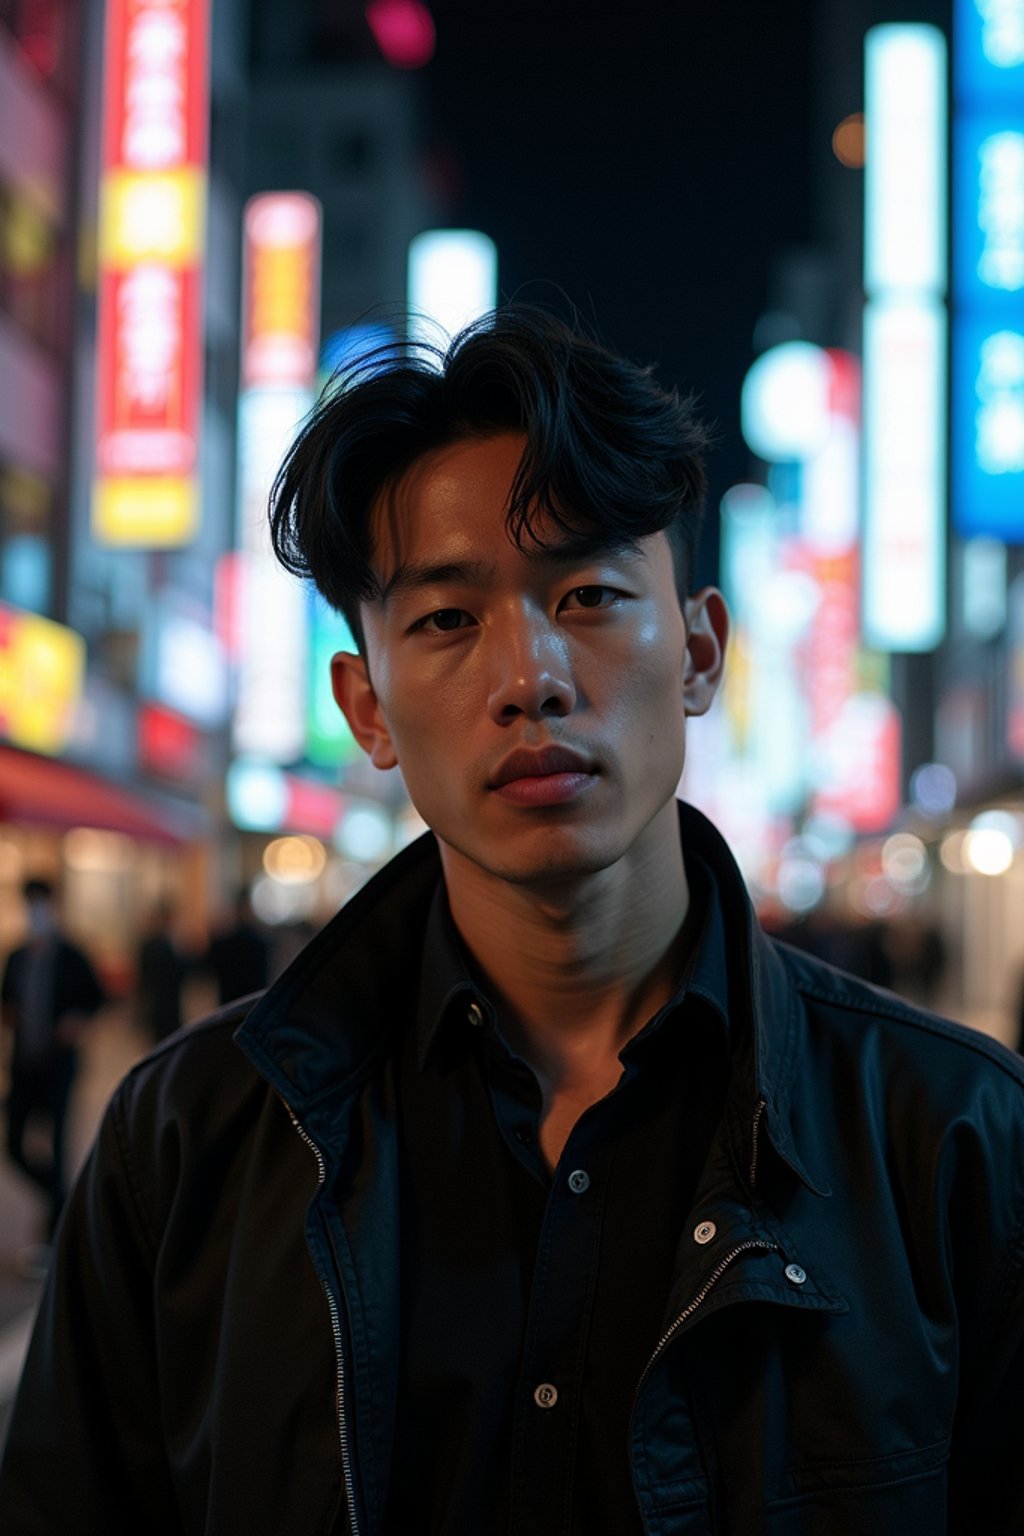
(988, 851)
(784, 402)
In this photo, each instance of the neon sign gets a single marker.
(280, 343)
(988, 270)
(151, 249)
(905, 340)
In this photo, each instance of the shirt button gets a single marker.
(579, 1182)
(475, 1015)
(545, 1396)
(795, 1275)
(704, 1232)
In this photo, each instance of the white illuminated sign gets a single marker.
(905, 172)
(270, 713)
(452, 280)
(190, 673)
(905, 483)
(280, 342)
(905, 432)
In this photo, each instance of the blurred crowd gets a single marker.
(52, 993)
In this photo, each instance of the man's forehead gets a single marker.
(444, 483)
(447, 517)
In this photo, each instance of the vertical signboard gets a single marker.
(280, 343)
(1015, 670)
(151, 245)
(904, 570)
(452, 280)
(988, 269)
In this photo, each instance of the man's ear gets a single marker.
(707, 634)
(354, 696)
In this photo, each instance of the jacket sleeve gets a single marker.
(986, 1471)
(84, 1453)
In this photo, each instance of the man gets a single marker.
(542, 1193)
(48, 994)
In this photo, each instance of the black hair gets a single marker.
(37, 889)
(609, 452)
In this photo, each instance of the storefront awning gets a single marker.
(42, 792)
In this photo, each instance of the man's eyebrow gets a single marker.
(414, 575)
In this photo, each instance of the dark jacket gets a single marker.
(843, 1351)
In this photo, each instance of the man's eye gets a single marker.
(590, 597)
(444, 620)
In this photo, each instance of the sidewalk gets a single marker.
(111, 1047)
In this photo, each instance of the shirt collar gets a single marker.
(447, 990)
(446, 987)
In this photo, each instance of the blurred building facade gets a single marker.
(118, 673)
(936, 866)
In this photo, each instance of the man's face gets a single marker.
(535, 699)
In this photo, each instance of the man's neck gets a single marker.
(576, 968)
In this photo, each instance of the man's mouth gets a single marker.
(549, 775)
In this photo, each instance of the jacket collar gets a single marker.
(325, 1025)
(766, 1012)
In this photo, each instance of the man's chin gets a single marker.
(554, 859)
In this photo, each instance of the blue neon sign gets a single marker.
(988, 269)
(988, 429)
(988, 56)
(988, 190)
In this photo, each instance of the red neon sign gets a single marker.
(152, 234)
(281, 325)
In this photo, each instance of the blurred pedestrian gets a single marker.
(238, 957)
(49, 993)
(160, 972)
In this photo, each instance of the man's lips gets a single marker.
(540, 763)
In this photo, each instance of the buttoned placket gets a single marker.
(547, 1397)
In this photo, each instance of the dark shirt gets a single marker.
(531, 1303)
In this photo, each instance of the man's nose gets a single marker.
(530, 670)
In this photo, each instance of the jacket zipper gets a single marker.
(332, 1303)
(691, 1307)
(758, 1112)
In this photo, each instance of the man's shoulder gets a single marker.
(196, 1070)
(899, 1031)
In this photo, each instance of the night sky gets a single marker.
(649, 159)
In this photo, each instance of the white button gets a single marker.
(475, 1015)
(704, 1232)
(795, 1275)
(545, 1396)
(579, 1182)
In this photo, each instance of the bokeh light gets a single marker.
(988, 851)
(849, 141)
(905, 862)
(951, 852)
(800, 881)
(295, 860)
(933, 790)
